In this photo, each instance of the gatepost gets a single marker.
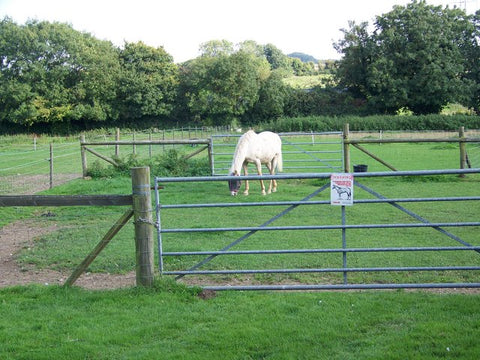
(142, 212)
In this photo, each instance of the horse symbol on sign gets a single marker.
(343, 190)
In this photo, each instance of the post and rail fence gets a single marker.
(141, 211)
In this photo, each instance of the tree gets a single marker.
(51, 74)
(471, 52)
(148, 82)
(272, 97)
(251, 47)
(276, 58)
(413, 59)
(219, 89)
(214, 48)
(357, 48)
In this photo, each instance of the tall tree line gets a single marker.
(418, 57)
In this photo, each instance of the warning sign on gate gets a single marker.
(341, 189)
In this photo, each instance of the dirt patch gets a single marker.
(21, 234)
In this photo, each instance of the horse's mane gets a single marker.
(241, 151)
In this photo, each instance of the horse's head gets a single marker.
(234, 185)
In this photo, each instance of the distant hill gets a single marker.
(303, 57)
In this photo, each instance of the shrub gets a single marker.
(172, 163)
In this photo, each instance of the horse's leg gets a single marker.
(269, 167)
(259, 172)
(245, 171)
(272, 172)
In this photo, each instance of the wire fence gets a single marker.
(473, 155)
(30, 164)
(28, 169)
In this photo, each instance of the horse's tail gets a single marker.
(280, 162)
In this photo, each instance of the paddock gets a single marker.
(325, 247)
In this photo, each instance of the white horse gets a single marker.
(263, 148)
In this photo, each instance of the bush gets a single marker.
(171, 163)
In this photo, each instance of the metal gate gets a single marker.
(337, 250)
(302, 152)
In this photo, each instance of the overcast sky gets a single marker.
(180, 26)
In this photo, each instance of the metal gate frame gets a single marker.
(345, 269)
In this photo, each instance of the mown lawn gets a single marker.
(173, 322)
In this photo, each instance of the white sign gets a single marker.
(341, 189)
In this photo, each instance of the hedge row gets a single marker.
(374, 123)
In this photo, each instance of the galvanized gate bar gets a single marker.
(322, 251)
(323, 227)
(304, 176)
(319, 202)
(345, 287)
(323, 270)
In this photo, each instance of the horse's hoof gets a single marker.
(274, 190)
(245, 193)
(264, 193)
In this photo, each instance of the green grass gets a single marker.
(171, 322)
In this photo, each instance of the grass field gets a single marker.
(173, 322)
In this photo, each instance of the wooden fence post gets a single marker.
(150, 146)
(51, 166)
(117, 138)
(142, 212)
(463, 149)
(346, 148)
(134, 137)
(84, 156)
(210, 155)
